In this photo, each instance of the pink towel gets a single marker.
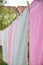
(36, 32)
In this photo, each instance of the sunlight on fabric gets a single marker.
(30, 1)
(16, 3)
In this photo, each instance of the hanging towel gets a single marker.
(15, 41)
(36, 32)
(0, 38)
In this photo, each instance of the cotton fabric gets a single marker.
(36, 32)
(15, 41)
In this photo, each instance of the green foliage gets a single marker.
(1, 0)
(1, 61)
(7, 16)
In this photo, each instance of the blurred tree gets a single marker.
(7, 16)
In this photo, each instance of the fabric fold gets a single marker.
(14, 41)
(36, 33)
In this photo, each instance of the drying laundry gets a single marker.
(15, 41)
(36, 32)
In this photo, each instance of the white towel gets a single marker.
(15, 41)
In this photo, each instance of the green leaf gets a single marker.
(7, 16)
